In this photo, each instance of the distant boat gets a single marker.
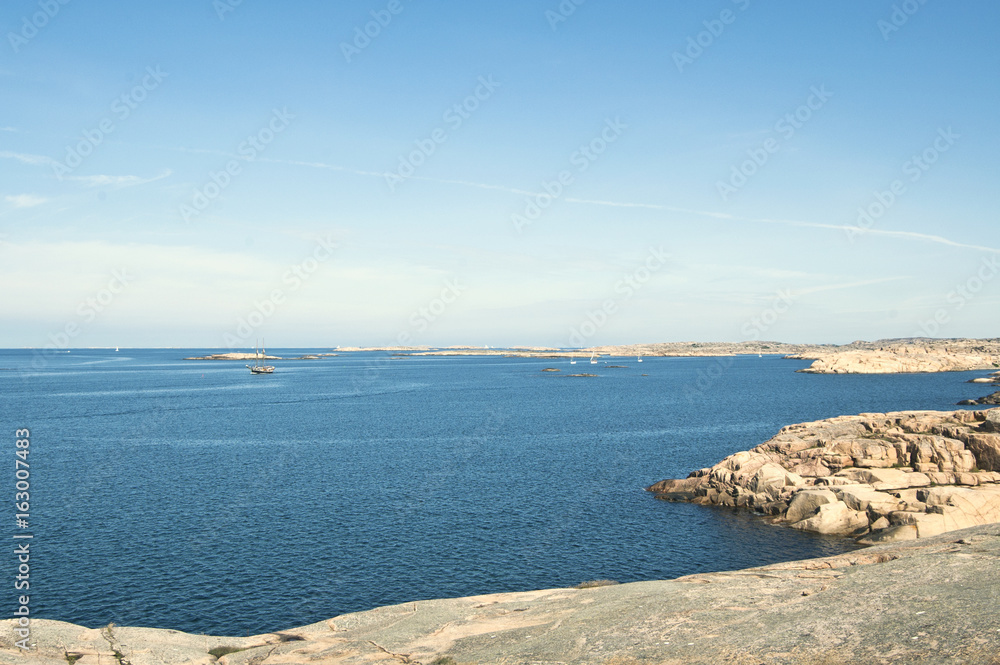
(638, 359)
(572, 360)
(257, 367)
(116, 349)
(592, 361)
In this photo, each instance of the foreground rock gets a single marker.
(879, 477)
(905, 356)
(929, 601)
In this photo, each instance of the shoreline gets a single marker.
(930, 600)
(891, 356)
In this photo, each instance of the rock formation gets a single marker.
(905, 356)
(989, 400)
(928, 601)
(878, 477)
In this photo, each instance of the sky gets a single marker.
(205, 173)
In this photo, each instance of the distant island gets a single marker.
(889, 356)
(234, 356)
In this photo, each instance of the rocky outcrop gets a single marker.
(929, 601)
(233, 356)
(989, 400)
(874, 476)
(905, 356)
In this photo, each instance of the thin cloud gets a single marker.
(118, 181)
(853, 230)
(849, 285)
(321, 165)
(34, 160)
(24, 200)
(376, 174)
(8, 129)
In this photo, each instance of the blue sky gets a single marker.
(697, 167)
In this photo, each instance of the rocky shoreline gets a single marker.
(905, 356)
(928, 601)
(877, 477)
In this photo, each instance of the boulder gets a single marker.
(834, 519)
(805, 503)
(890, 535)
(992, 422)
(864, 498)
(770, 478)
(986, 448)
(677, 490)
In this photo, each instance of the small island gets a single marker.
(234, 356)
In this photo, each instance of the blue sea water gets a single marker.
(193, 495)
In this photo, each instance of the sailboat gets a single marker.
(257, 367)
(638, 359)
(592, 361)
(572, 360)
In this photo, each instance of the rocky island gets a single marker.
(234, 356)
(876, 476)
(880, 357)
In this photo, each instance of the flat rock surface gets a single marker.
(930, 601)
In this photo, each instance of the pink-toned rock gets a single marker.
(834, 519)
(805, 503)
(986, 448)
(865, 498)
(875, 466)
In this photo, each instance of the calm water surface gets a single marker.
(195, 496)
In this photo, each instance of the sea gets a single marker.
(195, 496)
